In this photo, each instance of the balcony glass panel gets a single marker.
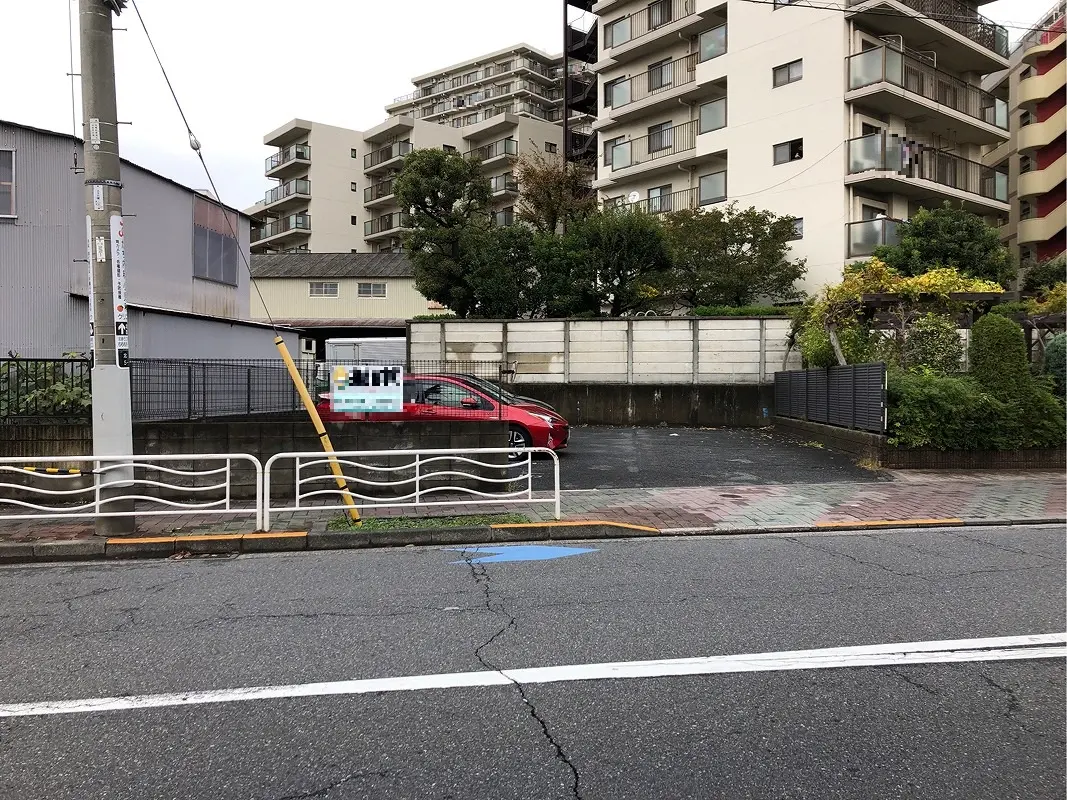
(620, 156)
(619, 94)
(865, 68)
(865, 236)
(301, 186)
(617, 32)
(713, 115)
(712, 188)
(713, 43)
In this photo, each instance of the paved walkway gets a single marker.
(910, 496)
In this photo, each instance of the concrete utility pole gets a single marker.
(108, 316)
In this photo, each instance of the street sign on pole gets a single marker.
(118, 284)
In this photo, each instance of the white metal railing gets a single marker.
(425, 467)
(113, 479)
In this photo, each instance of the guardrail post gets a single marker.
(418, 479)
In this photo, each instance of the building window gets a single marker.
(712, 43)
(788, 73)
(660, 75)
(712, 188)
(354, 153)
(659, 199)
(660, 137)
(7, 183)
(1025, 164)
(216, 251)
(550, 147)
(1026, 118)
(713, 115)
(609, 148)
(617, 93)
(354, 219)
(1026, 209)
(322, 288)
(448, 148)
(354, 187)
(789, 151)
(617, 32)
(375, 290)
(798, 229)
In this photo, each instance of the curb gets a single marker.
(291, 541)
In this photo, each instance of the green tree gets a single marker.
(448, 201)
(998, 356)
(949, 237)
(621, 260)
(931, 342)
(1045, 274)
(552, 191)
(728, 256)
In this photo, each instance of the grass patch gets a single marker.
(343, 523)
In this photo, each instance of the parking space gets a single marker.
(626, 458)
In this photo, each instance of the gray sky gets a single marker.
(247, 66)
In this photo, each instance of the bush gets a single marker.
(1045, 274)
(1056, 363)
(998, 357)
(741, 311)
(933, 343)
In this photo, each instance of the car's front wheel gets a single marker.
(518, 438)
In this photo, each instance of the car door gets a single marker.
(444, 400)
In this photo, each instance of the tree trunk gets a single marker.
(832, 331)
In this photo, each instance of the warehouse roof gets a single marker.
(331, 265)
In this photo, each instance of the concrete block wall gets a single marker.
(638, 350)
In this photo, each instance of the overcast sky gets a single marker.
(244, 67)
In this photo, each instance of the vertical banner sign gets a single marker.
(89, 264)
(367, 389)
(118, 281)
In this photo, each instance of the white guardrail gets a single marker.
(113, 479)
(426, 473)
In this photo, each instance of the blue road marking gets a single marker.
(520, 552)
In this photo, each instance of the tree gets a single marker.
(949, 237)
(552, 191)
(621, 259)
(1044, 274)
(730, 256)
(448, 201)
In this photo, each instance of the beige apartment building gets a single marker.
(847, 119)
(334, 189)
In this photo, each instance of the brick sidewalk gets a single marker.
(909, 496)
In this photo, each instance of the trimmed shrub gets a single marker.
(1056, 362)
(741, 311)
(998, 357)
(933, 343)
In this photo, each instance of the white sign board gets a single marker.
(118, 281)
(94, 133)
(363, 389)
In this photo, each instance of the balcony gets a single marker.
(963, 39)
(504, 184)
(502, 148)
(291, 159)
(890, 82)
(388, 225)
(386, 158)
(1039, 182)
(1039, 134)
(641, 32)
(664, 204)
(667, 83)
(666, 147)
(378, 192)
(1043, 229)
(868, 234)
(293, 226)
(892, 164)
(292, 193)
(1036, 88)
(504, 218)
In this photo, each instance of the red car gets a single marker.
(451, 398)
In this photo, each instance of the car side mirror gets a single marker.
(469, 402)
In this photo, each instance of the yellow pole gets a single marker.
(309, 406)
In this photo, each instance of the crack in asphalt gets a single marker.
(908, 679)
(996, 546)
(325, 790)
(481, 578)
(855, 560)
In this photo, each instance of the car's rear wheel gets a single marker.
(519, 438)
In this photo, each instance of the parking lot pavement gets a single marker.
(628, 458)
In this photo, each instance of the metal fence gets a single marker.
(175, 389)
(846, 397)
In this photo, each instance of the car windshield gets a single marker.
(491, 389)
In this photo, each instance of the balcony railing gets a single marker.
(892, 153)
(664, 204)
(294, 222)
(657, 80)
(491, 71)
(868, 234)
(504, 218)
(891, 66)
(397, 219)
(660, 144)
(300, 186)
(378, 190)
(501, 147)
(645, 21)
(294, 152)
(962, 19)
(384, 154)
(503, 183)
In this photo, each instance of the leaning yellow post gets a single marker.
(309, 406)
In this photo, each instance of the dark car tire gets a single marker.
(518, 437)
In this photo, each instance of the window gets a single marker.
(617, 32)
(712, 188)
(712, 43)
(660, 137)
(354, 153)
(871, 212)
(451, 395)
(609, 148)
(789, 151)
(550, 147)
(1025, 164)
(375, 290)
(713, 115)
(659, 199)
(798, 228)
(216, 252)
(7, 183)
(869, 130)
(448, 148)
(1026, 118)
(354, 219)
(1026, 209)
(660, 75)
(659, 13)
(354, 187)
(788, 73)
(617, 93)
(322, 289)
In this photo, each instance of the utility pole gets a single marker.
(108, 315)
(566, 106)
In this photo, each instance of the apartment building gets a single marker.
(334, 189)
(849, 118)
(1035, 87)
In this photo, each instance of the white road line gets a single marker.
(1008, 648)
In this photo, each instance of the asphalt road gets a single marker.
(627, 458)
(986, 729)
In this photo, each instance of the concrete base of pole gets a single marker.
(113, 436)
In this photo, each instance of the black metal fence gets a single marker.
(846, 397)
(176, 389)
